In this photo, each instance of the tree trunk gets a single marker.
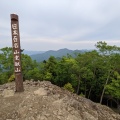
(118, 106)
(85, 89)
(101, 98)
(89, 92)
(78, 85)
(91, 85)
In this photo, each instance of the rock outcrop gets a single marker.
(45, 101)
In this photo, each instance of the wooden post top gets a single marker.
(14, 17)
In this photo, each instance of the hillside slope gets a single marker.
(44, 101)
(58, 53)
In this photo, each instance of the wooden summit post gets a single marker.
(16, 52)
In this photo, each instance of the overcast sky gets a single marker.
(55, 24)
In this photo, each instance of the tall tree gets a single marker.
(50, 69)
(113, 89)
(107, 52)
(6, 63)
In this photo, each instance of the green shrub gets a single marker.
(69, 87)
(81, 94)
(12, 78)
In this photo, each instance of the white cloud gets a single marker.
(61, 23)
(50, 43)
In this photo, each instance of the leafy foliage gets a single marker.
(113, 88)
(12, 78)
(94, 74)
(69, 87)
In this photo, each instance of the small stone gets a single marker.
(40, 91)
(8, 93)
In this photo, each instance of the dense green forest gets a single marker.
(94, 74)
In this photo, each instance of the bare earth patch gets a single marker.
(44, 101)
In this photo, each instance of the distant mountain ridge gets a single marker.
(32, 52)
(59, 53)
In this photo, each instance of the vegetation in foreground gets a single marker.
(94, 75)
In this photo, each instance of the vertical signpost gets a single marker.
(16, 52)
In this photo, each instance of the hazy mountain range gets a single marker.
(39, 56)
(32, 52)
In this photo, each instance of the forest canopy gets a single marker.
(93, 74)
